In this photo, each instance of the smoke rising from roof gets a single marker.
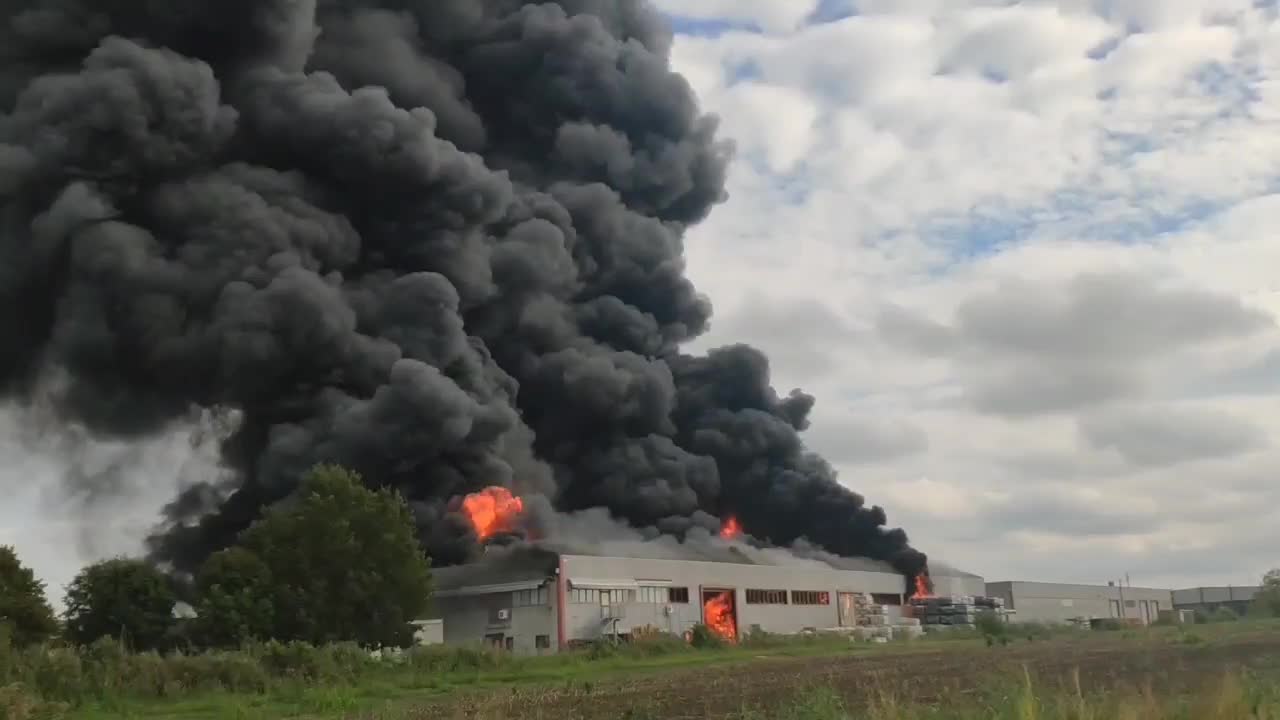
(438, 241)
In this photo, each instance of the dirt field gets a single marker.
(934, 674)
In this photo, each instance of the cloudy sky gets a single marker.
(1024, 254)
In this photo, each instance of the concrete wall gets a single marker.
(1210, 599)
(583, 621)
(959, 585)
(1054, 602)
(470, 619)
(428, 632)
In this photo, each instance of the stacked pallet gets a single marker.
(954, 610)
(868, 613)
(881, 623)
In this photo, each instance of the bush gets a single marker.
(299, 660)
(16, 703)
(438, 659)
(1223, 615)
(993, 628)
(702, 636)
(652, 642)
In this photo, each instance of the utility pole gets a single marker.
(1123, 615)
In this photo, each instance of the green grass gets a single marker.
(298, 681)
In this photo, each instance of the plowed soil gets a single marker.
(934, 673)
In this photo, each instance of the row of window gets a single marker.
(531, 598)
(508, 642)
(647, 594)
(779, 597)
(663, 596)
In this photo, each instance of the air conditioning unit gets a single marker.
(504, 614)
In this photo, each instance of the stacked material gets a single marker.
(955, 610)
(989, 603)
(880, 623)
(868, 613)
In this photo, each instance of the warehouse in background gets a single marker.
(1067, 603)
(534, 600)
(1208, 600)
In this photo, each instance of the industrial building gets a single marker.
(1062, 603)
(1207, 600)
(532, 600)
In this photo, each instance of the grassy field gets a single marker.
(1143, 675)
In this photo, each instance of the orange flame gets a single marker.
(492, 510)
(731, 528)
(923, 589)
(717, 613)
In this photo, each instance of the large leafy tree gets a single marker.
(120, 598)
(24, 609)
(336, 562)
(1267, 601)
(236, 601)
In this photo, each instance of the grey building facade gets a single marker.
(1061, 603)
(535, 601)
(1207, 600)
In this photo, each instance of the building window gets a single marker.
(809, 597)
(886, 599)
(1130, 603)
(617, 597)
(678, 595)
(511, 643)
(542, 642)
(530, 598)
(651, 595)
(766, 597)
(587, 596)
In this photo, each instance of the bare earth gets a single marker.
(932, 674)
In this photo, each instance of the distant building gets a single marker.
(428, 632)
(536, 601)
(1207, 600)
(1062, 603)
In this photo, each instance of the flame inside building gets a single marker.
(492, 511)
(720, 614)
(731, 528)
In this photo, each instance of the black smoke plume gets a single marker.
(439, 241)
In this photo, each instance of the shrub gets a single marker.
(16, 703)
(1223, 614)
(652, 642)
(702, 636)
(993, 628)
(438, 659)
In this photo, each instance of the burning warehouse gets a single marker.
(534, 600)
(589, 578)
(440, 243)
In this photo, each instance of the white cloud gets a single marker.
(1031, 245)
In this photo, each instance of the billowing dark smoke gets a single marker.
(439, 241)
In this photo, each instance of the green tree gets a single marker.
(339, 562)
(121, 598)
(235, 604)
(24, 609)
(1267, 601)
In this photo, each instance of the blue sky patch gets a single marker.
(710, 28)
